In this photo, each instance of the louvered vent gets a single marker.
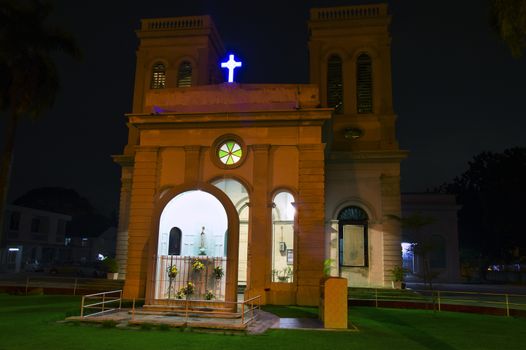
(364, 84)
(158, 76)
(184, 76)
(335, 84)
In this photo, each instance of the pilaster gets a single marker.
(311, 223)
(143, 189)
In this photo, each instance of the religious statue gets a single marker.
(202, 249)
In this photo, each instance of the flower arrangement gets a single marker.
(172, 271)
(188, 289)
(197, 265)
(282, 275)
(218, 272)
(209, 295)
(180, 294)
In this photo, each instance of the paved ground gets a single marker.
(262, 322)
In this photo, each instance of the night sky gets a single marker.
(457, 91)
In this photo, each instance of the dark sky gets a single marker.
(457, 91)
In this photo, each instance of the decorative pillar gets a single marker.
(259, 239)
(311, 223)
(121, 249)
(392, 251)
(143, 189)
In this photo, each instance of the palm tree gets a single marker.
(508, 18)
(28, 76)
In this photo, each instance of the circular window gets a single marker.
(230, 152)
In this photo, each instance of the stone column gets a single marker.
(311, 223)
(141, 211)
(390, 190)
(121, 248)
(259, 254)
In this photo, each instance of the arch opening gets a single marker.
(238, 195)
(191, 250)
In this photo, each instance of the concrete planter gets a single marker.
(112, 275)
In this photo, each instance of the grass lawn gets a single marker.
(30, 323)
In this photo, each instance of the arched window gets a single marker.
(174, 243)
(335, 84)
(158, 80)
(437, 254)
(283, 238)
(352, 222)
(364, 84)
(238, 194)
(184, 75)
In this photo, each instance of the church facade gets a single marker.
(227, 184)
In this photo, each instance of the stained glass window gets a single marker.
(230, 152)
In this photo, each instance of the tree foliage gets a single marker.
(492, 193)
(29, 80)
(508, 18)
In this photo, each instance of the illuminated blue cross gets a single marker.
(231, 64)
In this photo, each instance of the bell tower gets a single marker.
(350, 60)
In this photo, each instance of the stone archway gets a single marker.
(169, 212)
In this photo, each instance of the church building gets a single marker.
(228, 185)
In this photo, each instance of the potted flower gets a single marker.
(283, 275)
(172, 271)
(197, 265)
(112, 268)
(189, 289)
(218, 272)
(397, 277)
(209, 295)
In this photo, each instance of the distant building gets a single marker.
(440, 235)
(32, 238)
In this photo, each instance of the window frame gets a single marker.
(339, 107)
(185, 80)
(156, 80)
(359, 89)
(360, 221)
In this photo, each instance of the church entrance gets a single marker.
(192, 249)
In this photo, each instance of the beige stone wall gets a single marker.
(286, 154)
(363, 182)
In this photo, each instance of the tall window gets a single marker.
(353, 236)
(174, 243)
(158, 76)
(364, 84)
(283, 238)
(335, 84)
(184, 75)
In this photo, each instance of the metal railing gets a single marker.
(442, 300)
(348, 12)
(105, 302)
(245, 311)
(67, 284)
